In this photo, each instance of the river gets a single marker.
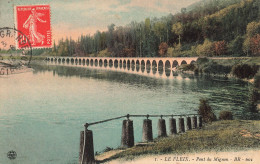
(42, 112)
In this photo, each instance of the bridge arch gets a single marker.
(116, 63)
(133, 65)
(183, 62)
(193, 62)
(154, 64)
(63, 60)
(96, 62)
(160, 64)
(175, 63)
(105, 63)
(124, 64)
(110, 63)
(87, 62)
(72, 61)
(83, 61)
(167, 64)
(128, 63)
(120, 63)
(100, 62)
(59, 60)
(91, 62)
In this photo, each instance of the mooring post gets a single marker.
(147, 130)
(127, 139)
(173, 129)
(181, 125)
(88, 148)
(161, 128)
(200, 122)
(188, 123)
(81, 144)
(194, 122)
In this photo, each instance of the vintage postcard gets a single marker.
(130, 81)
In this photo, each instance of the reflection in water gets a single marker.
(58, 100)
(222, 94)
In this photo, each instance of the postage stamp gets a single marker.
(35, 22)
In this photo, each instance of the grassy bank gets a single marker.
(231, 135)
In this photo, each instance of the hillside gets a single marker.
(206, 28)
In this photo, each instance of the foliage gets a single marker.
(255, 45)
(257, 80)
(163, 47)
(217, 136)
(187, 67)
(251, 43)
(202, 60)
(213, 67)
(177, 28)
(206, 111)
(212, 27)
(205, 49)
(244, 71)
(220, 48)
(235, 47)
(107, 149)
(225, 115)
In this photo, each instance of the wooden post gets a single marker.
(188, 123)
(173, 129)
(81, 144)
(127, 139)
(161, 128)
(147, 130)
(181, 125)
(194, 122)
(88, 148)
(200, 122)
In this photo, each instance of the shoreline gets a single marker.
(236, 137)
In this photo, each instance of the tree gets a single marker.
(205, 49)
(177, 28)
(236, 46)
(220, 48)
(163, 48)
(255, 45)
(252, 30)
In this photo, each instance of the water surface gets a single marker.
(42, 112)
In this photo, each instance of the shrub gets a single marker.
(206, 111)
(202, 60)
(188, 67)
(225, 115)
(257, 80)
(244, 71)
(107, 149)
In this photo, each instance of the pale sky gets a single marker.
(76, 17)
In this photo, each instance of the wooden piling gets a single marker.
(81, 145)
(173, 129)
(161, 128)
(88, 148)
(194, 122)
(200, 122)
(147, 130)
(181, 125)
(127, 139)
(188, 123)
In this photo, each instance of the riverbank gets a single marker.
(218, 136)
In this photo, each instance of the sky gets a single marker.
(71, 18)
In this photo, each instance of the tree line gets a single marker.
(207, 28)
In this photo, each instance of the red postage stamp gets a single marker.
(34, 21)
